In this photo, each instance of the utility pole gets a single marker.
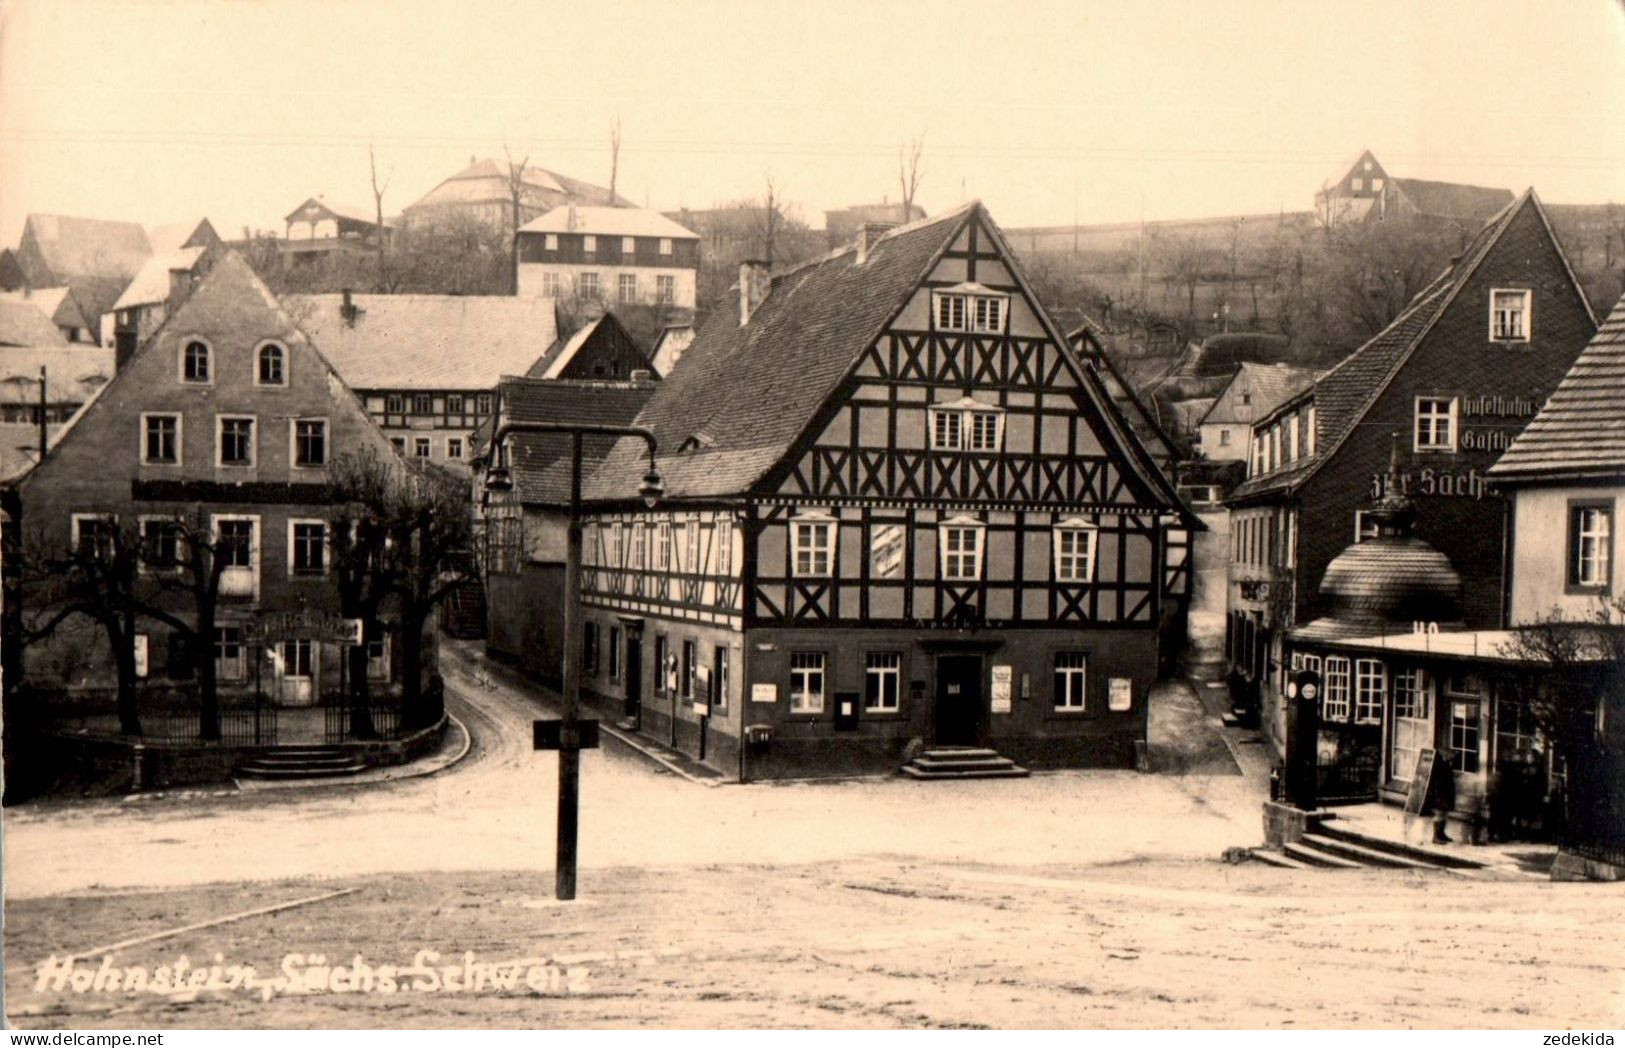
(42, 400)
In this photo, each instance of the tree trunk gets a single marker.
(412, 712)
(361, 723)
(123, 641)
(208, 686)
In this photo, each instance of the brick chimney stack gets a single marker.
(869, 234)
(755, 281)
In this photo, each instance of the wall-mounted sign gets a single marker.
(1430, 482)
(140, 654)
(302, 625)
(1119, 694)
(1253, 589)
(764, 693)
(886, 551)
(1002, 678)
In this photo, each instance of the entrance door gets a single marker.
(296, 673)
(634, 674)
(959, 699)
(1412, 691)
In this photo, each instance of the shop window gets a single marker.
(1370, 690)
(1464, 735)
(1336, 689)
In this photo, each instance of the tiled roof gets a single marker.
(24, 323)
(1453, 199)
(178, 235)
(745, 393)
(86, 247)
(563, 350)
(151, 283)
(73, 373)
(748, 391)
(608, 222)
(1581, 429)
(1345, 393)
(58, 303)
(1271, 384)
(426, 341)
(540, 461)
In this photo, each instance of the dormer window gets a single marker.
(969, 307)
(967, 425)
(1509, 315)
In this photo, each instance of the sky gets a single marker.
(1049, 112)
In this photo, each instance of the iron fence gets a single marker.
(239, 726)
(354, 723)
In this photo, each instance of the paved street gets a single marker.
(876, 903)
(495, 811)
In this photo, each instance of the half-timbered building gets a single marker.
(901, 513)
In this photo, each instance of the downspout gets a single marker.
(1506, 562)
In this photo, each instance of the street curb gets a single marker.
(654, 755)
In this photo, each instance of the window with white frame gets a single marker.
(663, 546)
(550, 285)
(1509, 315)
(1435, 423)
(587, 285)
(454, 403)
(807, 681)
(589, 244)
(719, 678)
(1412, 693)
(395, 403)
(454, 448)
(234, 440)
(482, 404)
(422, 447)
(725, 545)
(273, 365)
(961, 541)
(665, 245)
(550, 242)
(691, 547)
(1464, 735)
(309, 443)
(629, 245)
(1071, 681)
(665, 288)
(1370, 690)
(812, 543)
(197, 362)
(378, 658)
(1590, 545)
(236, 545)
(639, 548)
(689, 668)
(307, 547)
(966, 425)
(965, 309)
(230, 663)
(161, 440)
(1074, 551)
(627, 288)
(95, 534)
(613, 537)
(614, 653)
(1309, 430)
(882, 681)
(1335, 690)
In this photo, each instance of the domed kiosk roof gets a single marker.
(1384, 584)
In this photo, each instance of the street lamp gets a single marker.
(570, 737)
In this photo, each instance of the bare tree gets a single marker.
(772, 217)
(909, 172)
(614, 157)
(378, 206)
(516, 192)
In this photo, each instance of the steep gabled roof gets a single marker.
(24, 323)
(564, 350)
(1344, 394)
(742, 394)
(485, 181)
(1580, 432)
(1271, 385)
(58, 303)
(1123, 398)
(539, 462)
(454, 342)
(608, 221)
(73, 248)
(346, 210)
(151, 283)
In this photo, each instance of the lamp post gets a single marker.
(570, 739)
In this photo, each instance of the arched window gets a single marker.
(273, 365)
(195, 362)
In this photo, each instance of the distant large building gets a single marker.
(1367, 192)
(483, 192)
(320, 226)
(427, 366)
(843, 224)
(615, 255)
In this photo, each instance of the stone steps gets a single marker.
(301, 762)
(962, 762)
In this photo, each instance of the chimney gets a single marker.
(755, 282)
(570, 215)
(868, 234)
(180, 286)
(642, 376)
(348, 309)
